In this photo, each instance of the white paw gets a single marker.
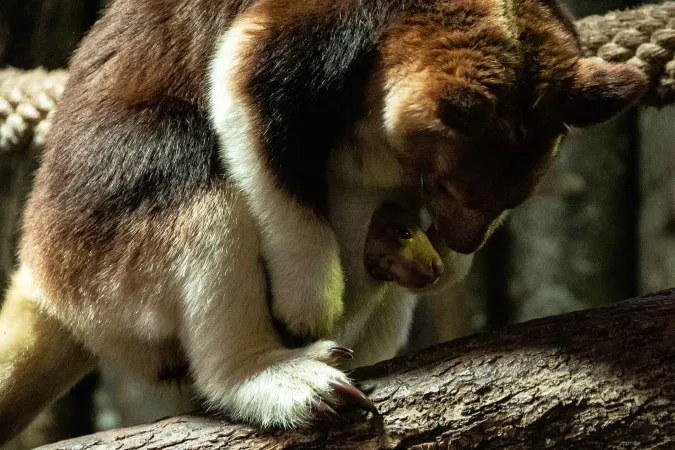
(290, 392)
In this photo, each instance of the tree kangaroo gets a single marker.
(197, 143)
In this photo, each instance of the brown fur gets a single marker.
(492, 89)
(137, 264)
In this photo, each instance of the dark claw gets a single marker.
(367, 387)
(342, 353)
(353, 396)
(327, 414)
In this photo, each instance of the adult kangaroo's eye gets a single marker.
(405, 234)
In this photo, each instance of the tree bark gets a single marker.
(602, 378)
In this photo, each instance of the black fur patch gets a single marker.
(307, 80)
(122, 158)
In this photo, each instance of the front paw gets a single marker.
(297, 390)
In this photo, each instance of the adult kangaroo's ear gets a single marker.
(600, 90)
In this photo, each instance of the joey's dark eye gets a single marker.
(404, 234)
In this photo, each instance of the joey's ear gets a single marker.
(601, 89)
(465, 107)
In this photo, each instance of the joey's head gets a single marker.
(397, 249)
(476, 97)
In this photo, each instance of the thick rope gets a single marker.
(644, 37)
(26, 102)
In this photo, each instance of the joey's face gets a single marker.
(477, 96)
(397, 249)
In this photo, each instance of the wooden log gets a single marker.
(598, 379)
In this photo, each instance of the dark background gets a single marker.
(602, 229)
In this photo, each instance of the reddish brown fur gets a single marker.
(493, 99)
(166, 50)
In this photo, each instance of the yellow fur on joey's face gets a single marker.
(397, 249)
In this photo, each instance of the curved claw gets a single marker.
(353, 397)
(325, 413)
(367, 387)
(342, 353)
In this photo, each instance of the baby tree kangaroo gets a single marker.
(396, 259)
(197, 140)
(397, 249)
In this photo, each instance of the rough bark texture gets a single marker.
(603, 378)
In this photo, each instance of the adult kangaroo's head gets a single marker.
(477, 95)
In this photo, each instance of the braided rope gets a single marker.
(26, 103)
(644, 37)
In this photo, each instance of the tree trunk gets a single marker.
(597, 379)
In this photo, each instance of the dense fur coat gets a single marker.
(197, 139)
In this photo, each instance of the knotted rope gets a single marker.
(644, 37)
(26, 102)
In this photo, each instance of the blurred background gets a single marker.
(601, 229)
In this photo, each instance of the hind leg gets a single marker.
(39, 359)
